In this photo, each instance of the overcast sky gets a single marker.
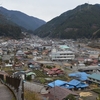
(44, 9)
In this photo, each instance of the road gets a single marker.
(35, 87)
(5, 93)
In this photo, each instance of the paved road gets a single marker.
(35, 87)
(5, 93)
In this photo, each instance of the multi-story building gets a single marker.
(63, 53)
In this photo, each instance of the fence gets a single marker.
(15, 84)
(2, 77)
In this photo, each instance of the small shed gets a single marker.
(30, 74)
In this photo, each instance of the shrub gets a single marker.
(29, 95)
(96, 91)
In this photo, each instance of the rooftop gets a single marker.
(64, 47)
(95, 76)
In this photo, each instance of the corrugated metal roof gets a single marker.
(57, 83)
(30, 73)
(80, 75)
(74, 82)
(95, 76)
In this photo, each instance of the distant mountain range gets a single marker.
(13, 22)
(21, 19)
(81, 22)
(9, 29)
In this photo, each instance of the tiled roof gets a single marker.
(61, 92)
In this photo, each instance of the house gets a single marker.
(8, 65)
(59, 93)
(94, 78)
(31, 74)
(35, 66)
(53, 71)
(47, 46)
(35, 53)
(5, 50)
(20, 53)
(89, 69)
(57, 83)
(77, 84)
(20, 74)
(82, 76)
(24, 74)
(6, 57)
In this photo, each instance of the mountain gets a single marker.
(81, 22)
(21, 19)
(9, 29)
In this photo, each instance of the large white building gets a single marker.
(62, 53)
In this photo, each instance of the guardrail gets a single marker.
(16, 85)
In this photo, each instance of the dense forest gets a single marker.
(9, 29)
(81, 22)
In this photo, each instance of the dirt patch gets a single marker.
(85, 94)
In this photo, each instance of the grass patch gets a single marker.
(96, 91)
(39, 73)
(10, 72)
(29, 95)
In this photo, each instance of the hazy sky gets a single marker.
(44, 9)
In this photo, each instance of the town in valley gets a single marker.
(52, 68)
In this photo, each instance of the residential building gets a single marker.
(59, 93)
(95, 78)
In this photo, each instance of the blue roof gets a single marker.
(82, 85)
(74, 82)
(57, 83)
(68, 86)
(95, 76)
(80, 75)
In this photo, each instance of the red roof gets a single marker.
(59, 72)
(55, 69)
(46, 69)
(51, 72)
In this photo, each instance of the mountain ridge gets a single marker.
(22, 19)
(80, 22)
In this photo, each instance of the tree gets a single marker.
(70, 97)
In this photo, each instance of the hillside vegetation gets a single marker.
(22, 19)
(9, 29)
(81, 22)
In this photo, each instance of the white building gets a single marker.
(61, 54)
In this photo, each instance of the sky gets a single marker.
(44, 9)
